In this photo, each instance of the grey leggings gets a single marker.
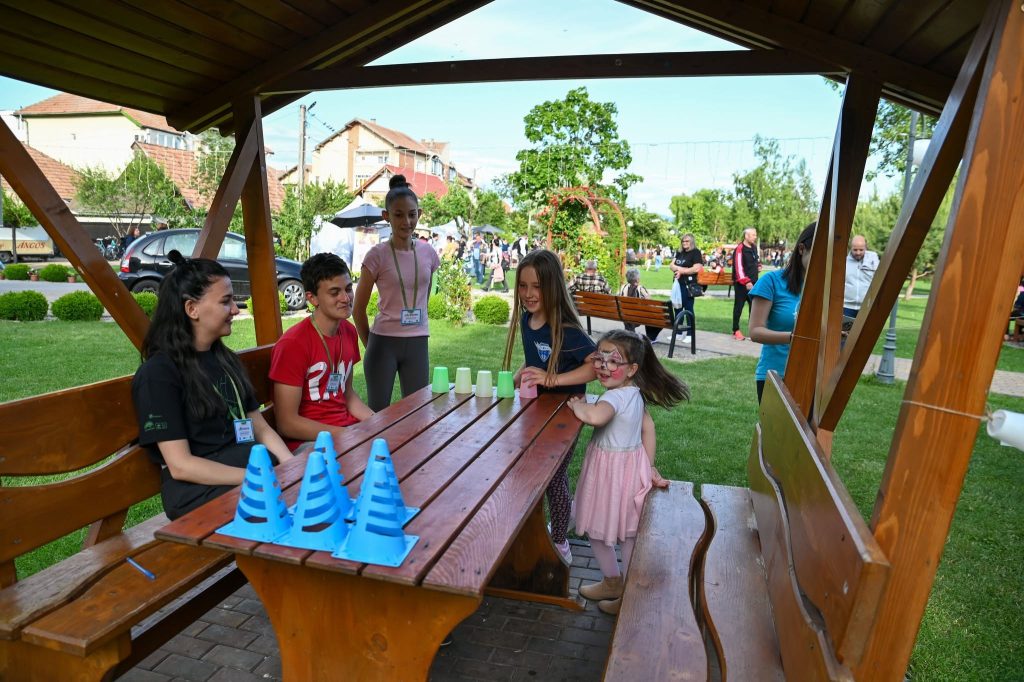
(389, 355)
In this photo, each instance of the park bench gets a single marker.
(707, 278)
(74, 620)
(646, 311)
(779, 581)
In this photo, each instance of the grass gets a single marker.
(971, 628)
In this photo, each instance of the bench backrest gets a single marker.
(825, 571)
(626, 308)
(68, 433)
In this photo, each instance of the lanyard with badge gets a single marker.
(334, 379)
(244, 432)
(410, 316)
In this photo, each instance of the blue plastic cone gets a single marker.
(376, 537)
(318, 522)
(325, 444)
(380, 452)
(261, 513)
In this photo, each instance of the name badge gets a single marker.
(334, 382)
(411, 316)
(243, 431)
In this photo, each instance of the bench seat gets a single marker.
(639, 311)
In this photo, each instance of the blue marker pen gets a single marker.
(140, 569)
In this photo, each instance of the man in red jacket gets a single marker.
(745, 265)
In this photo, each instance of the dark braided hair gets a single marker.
(171, 332)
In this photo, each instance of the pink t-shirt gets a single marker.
(379, 263)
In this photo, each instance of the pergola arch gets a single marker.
(594, 203)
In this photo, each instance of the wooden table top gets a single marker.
(475, 466)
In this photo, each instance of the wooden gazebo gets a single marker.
(227, 64)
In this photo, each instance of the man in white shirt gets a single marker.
(861, 265)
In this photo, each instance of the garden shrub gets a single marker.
(55, 272)
(373, 307)
(24, 306)
(492, 310)
(146, 301)
(78, 306)
(453, 284)
(436, 307)
(17, 271)
(280, 300)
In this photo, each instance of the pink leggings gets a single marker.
(606, 560)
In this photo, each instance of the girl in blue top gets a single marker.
(776, 300)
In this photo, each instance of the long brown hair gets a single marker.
(657, 385)
(555, 302)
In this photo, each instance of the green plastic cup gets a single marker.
(440, 382)
(506, 388)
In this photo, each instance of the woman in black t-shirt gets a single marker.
(197, 411)
(687, 263)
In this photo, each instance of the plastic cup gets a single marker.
(506, 388)
(527, 391)
(463, 380)
(440, 382)
(484, 384)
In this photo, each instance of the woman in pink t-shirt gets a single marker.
(403, 270)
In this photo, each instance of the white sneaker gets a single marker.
(686, 339)
(564, 551)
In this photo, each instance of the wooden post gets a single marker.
(54, 215)
(211, 238)
(956, 357)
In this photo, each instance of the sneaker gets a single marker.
(738, 335)
(686, 338)
(564, 551)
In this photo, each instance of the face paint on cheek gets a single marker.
(618, 373)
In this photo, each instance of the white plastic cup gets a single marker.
(484, 384)
(463, 380)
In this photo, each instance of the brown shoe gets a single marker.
(610, 606)
(608, 588)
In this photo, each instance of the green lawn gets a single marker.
(972, 627)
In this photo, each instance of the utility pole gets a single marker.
(302, 148)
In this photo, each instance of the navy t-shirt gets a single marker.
(576, 346)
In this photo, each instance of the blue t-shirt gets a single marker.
(576, 346)
(781, 318)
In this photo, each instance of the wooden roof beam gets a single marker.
(635, 65)
(740, 22)
(336, 42)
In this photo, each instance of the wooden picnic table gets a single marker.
(477, 468)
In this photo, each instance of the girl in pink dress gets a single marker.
(619, 467)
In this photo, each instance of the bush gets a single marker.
(55, 272)
(453, 285)
(436, 307)
(280, 300)
(373, 307)
(24, 306)
(492, 310)
(78, 306)
(146, 301)
(17, 271)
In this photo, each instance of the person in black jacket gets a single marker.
(745, 265)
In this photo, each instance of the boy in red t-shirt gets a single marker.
(313, 361)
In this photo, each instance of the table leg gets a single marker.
(337, 626)
(532, 569)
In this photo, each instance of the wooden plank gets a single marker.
(859, 19)
(635, 65)
(656, 633)
(961, 338)
(28, 599)
(805, 650)
(245, 21)
(123, 597)
(203, 27)
(956, 19)
(35, 515)
(903, 20)
(69, 236)
(733, 593)
(305, 21)
(470, 561)
(838, 563)
(915, 219)
(790, 9)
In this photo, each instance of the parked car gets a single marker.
(145, 263)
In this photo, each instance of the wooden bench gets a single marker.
(74, 620)
(646, 311)
(779, 581)
(706, 278)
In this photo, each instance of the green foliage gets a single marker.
(592, 247)
(17, 271)
(482, 208)
(16, 214)
(294, 224)
(436, 308)
(141, 189)
(55, 272)
(373, 306)
(648, 228)
(706, 214)
(575, 142)
(78, 306)
(23, 306)
(280, 299)
(776, 197)
(492, 310)
(213, 152)
(146, 301)
(890, 137)
(454, 289)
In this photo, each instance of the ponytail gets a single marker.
(657, 385)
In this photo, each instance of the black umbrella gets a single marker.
(487, 229)
(359, 216)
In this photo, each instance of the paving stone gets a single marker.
(151, 661)
(270, 668)
(234, 658)
(141, 675)
(575, 670)
(507, 607)
(464, 645)
(567, 618)
(266, 645)
(596, 653)
(532, 628)
(246, 592)
(604, 624)
(234, 675)
(484, 670)
(521, 658)
(588, 574)
(185, 668)
(509, 640)
(258, 624)
(592, 637)
(220, 616)
(187, 646)
(555, 647)
(230, 602)
(254, 607)
(195, 628)
(230, 636)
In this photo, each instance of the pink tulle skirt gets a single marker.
(610, 493)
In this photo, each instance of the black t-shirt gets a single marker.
(687, 259)
(161, 406)
(576, 346)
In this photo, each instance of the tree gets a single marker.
(707, 214)
(213, 152)
(890, 136)
(16, 214)
(141, 190)
(776, 197)
(647, 228)
(490, 209)
(294, 224)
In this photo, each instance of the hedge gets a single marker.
(280, 299)
(54, 272)
(146, 301)
(78, 306)
(491, 310)
(16, 271)
(24, 306)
